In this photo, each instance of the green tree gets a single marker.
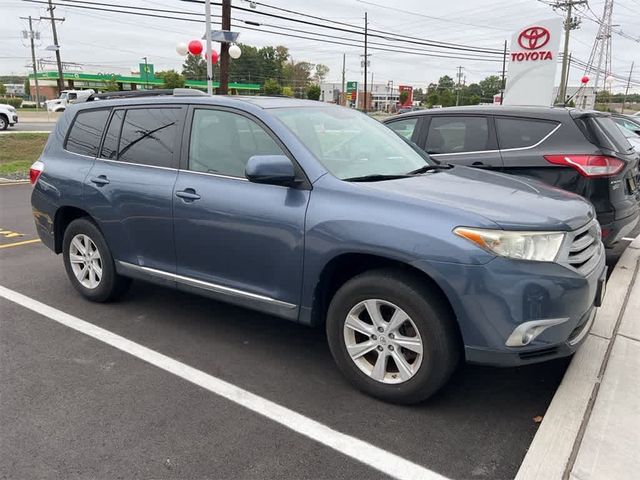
(171, 79)
(3, 89)
(446, 83)
(404, 96)
(490, 86)
(27, 86)
(321, 72)
(194, 68)
(111, 85)
(271, 87)
(313, 92)
(287, 91)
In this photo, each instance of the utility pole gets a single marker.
(224, 49)
(570, 23)
(342, 91)
(207, 18)
(459, 85)
(53, 21)
(504, 72)
(33, 58)
(626, 92)
(366, 60)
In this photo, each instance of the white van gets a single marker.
(67, 97)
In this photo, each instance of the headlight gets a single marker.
(538, 246)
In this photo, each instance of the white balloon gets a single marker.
(234, 51)
(609, 79)
(182, 49)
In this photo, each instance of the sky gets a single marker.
(108, 42)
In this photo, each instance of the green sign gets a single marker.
(352, 86)
(146, 71)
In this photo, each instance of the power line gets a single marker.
(334, 40)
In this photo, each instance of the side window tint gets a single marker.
(86, 132)
(149, 136)
(110, 144)
(404, 128)
(517, 133)
(222, 142)
(457, 134)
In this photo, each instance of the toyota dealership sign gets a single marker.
(533, 60)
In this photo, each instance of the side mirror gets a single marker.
(270, 169)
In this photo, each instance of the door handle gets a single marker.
(100, 180)
(480, 165)
(188, 195)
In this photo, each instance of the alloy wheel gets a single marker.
(383, 341)
(85, 260)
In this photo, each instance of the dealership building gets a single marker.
(48, 83)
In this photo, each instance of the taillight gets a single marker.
(34, 172)
(589, 165)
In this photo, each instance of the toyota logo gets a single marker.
(533, 38)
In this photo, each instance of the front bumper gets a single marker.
(491, 301)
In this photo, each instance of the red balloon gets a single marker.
(195, 47)
(214, 57)
(584, 79)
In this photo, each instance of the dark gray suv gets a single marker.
(580, 151)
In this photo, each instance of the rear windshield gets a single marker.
(603, 132)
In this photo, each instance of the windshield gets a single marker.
(63, 95)
(350, 144)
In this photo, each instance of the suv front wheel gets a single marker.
(89, 264)
(392, 337)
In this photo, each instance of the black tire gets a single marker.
(430, 314)
(111, 285)
(4, 122)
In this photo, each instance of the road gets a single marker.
(31, 127)
(74, 407)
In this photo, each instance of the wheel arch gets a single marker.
(347, 265)
(63, 217)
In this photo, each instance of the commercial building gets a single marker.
(48, 82)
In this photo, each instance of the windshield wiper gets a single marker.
(427, 168)
(375, 178)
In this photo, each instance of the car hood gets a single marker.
(509, 201)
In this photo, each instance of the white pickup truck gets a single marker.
(8, 116)
(66, 97)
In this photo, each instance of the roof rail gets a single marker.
(176, 92)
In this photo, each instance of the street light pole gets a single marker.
(366, 58)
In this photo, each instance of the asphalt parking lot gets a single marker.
(75, 407)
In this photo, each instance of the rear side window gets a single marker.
(405, 127)
(604, 133)
(86, 131)
(149, 136)
(521, 132)
(457, 134)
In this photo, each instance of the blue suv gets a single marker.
(320, 215)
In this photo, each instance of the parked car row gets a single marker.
(321, 215)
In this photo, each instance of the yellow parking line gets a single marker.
(17, 244)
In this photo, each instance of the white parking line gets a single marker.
(360, 450)
(628, 239)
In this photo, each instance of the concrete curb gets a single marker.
(556, 445)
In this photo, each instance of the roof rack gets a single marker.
(176, 92)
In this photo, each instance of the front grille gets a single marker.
(584, 248)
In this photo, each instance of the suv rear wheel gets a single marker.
(89, 264)
(392, 337)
